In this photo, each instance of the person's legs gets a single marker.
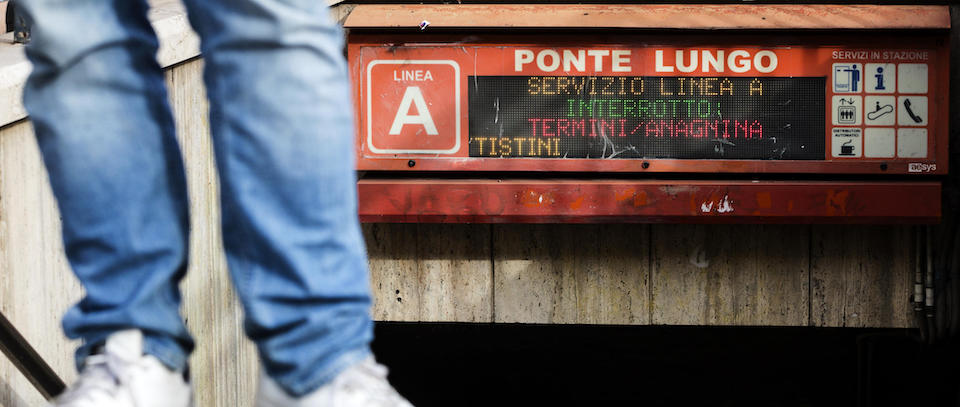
(283, 132)
(98, 104)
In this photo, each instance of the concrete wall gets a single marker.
(795, 275)
(598, 274)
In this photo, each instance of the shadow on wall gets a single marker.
(443, 364)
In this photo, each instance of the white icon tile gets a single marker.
(912, 111)
(912, 78)
(879, 142)
(847, 78)
(847, 110)
(880, 111)
(912, 143)
(880, 78)
(847, 142)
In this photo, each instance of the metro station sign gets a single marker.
(697, 113)
(576, 103)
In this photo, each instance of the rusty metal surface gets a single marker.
(587, 201)
(597, 201)
(731, 16)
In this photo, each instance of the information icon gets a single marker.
(881, 78)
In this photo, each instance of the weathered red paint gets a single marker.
(578, 201)
(802, 54)
(391, 33)
(682, 16)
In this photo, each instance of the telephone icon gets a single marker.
(906, 104)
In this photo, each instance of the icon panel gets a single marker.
(847, 110)
(880, 111)
(847, 142)
(879, 142)
(911, 143)
(912, 111)
(912, 78)
(847, 78)
(880, 78)
(890, 121)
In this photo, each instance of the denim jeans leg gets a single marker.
(283, 135)
(97, 101)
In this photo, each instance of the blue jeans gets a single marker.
(280, 114)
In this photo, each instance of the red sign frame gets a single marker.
(799, 54)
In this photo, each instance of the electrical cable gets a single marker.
(928, 292)
(941, 263)
(918, 284)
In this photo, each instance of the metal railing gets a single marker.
(28, 361)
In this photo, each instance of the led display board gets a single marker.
(630, 117)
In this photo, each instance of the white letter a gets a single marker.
(413, 95)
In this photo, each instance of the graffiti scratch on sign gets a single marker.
(724, 205)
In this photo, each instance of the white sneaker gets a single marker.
(122, 376)
(361, 385)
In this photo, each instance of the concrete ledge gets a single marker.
(178, 43)
(14, 69)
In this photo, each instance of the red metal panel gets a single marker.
(400, 74)
(578, 201)
(378, 94)
(680, 16)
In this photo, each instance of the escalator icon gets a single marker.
(880, 111)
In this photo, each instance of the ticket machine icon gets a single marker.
(846, 78)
